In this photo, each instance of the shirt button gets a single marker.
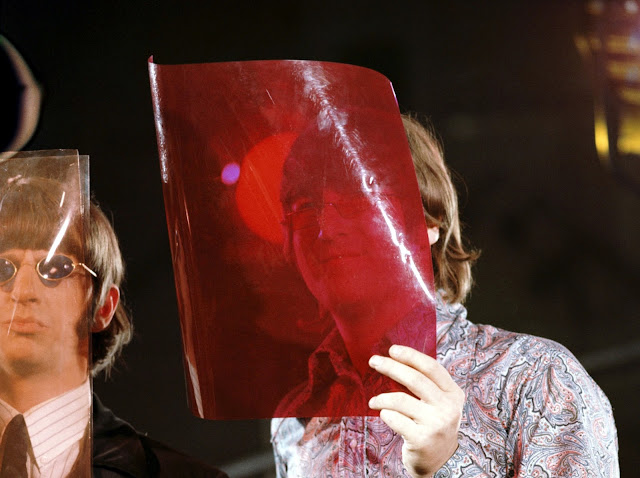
(353, 444)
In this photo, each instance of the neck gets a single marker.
(363, 325)
(23, 392)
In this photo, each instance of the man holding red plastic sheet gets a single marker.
(355, 232)
(494, 403)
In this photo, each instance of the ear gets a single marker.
(107, 309)
(434, 234)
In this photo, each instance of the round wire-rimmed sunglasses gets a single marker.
(56, 268)
(307, 214)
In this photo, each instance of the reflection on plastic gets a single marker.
(293, 270)
(44, 329)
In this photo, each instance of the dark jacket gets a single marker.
(119, 450)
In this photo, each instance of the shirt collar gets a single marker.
(412, 331)
(451, 319)
(331, 358)
(56, 424)
(7, 412)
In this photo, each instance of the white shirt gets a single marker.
(56, 428)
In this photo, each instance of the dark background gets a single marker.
(502, 82)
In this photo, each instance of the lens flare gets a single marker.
(258, 189)
(230, 173)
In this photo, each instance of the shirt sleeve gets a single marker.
(563, 423)
(286, 433)
(557, 422)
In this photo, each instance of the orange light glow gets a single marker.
(258, 190)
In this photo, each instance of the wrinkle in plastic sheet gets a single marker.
(44, 326)
(298, 239)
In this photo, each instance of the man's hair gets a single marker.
(31, 218)
(337, 152)
(319, 157)
(103, 256)
(451, 261)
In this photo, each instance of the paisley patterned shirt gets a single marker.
(531, 410)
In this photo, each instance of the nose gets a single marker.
(331, 223)
(24, 284)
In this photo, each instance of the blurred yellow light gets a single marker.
(601, 138)
(582, 44)
(624, 70)
(623, 44)
(629, 137)
(630, 95)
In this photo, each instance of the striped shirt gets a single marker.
(56, 428)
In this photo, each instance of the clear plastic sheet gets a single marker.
(297, 235)
(44, 298)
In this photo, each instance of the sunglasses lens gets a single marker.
(353, 208)
(7, 270)
(58, 267)
(304, 219)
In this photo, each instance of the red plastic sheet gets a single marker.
(297, 235)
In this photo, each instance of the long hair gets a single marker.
(103, 256)
(451, 260)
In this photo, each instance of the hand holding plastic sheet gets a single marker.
(298, 240)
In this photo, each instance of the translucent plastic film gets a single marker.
(45, 394)
(298, 238)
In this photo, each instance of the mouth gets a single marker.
(336, 256)
(23, 325)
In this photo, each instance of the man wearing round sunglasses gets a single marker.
(51, 268)
(61, 319)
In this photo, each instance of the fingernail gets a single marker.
(395, 350)
(372, 402)
(375, 360)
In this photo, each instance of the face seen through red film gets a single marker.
(343, 249)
